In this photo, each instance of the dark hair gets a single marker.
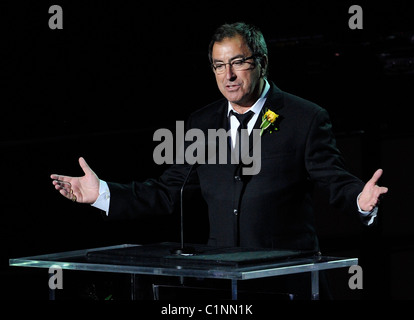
(251, 34)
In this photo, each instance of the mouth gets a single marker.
(232, 87)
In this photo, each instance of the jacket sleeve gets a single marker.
(153, 196)
(326, 166)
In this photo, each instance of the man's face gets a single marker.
(241, 88)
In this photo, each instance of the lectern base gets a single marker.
(184, 251)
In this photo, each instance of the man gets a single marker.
(271, 209)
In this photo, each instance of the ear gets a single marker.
(263, 65)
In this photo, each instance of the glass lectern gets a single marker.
(236, 264)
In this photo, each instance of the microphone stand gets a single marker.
(184, 251)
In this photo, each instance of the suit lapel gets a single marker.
(274, 99)
(221, 121)
(273, 102)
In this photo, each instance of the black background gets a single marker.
(119, 70)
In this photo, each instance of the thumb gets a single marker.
(376, 176)
(86, 169)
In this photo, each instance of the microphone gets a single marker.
(184, 251)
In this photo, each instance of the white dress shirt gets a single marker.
(256, 108)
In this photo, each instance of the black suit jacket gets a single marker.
(272, 209)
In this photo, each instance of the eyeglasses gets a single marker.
(236, 64)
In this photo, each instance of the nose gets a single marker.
(230, 75)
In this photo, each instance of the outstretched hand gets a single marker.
(371, 193)
(78, 189)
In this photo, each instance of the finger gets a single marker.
(65, 192)
(85, 167)
(379, 191)
(62, 187)
(60, 177)
(372, 207)
(68, 195)
(382, 190)
(61, 183)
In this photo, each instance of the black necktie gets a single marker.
(244, 120)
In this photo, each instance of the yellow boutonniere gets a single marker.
(268, 119)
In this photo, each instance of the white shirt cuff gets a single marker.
(102, 202)
(367, 217)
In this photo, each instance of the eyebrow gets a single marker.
(231, 59)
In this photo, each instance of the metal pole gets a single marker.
(315, 285)
(233, 289)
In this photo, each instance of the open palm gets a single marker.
(83, 189)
